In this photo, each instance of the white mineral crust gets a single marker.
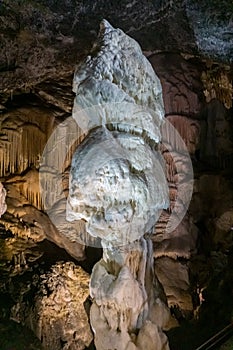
(117, 181)
(118, 188)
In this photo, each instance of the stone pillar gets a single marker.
(118, 187)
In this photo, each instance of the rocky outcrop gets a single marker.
(58, 316)
(181, 82)
(217, 17)
(208, 204)
(15, 337)
(181, 242)
(216, 145)
(28, 222)
(223, 228)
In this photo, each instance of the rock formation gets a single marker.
(58, 316)
(2, 200)
(128, 115)
(118, 186)
(181, 135)
(20, 158)
(189, 46)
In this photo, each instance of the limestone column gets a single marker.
(118, 188)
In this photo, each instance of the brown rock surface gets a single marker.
(58, 316)
(174, 277)
(181, 83)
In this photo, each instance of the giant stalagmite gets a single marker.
(118, 188)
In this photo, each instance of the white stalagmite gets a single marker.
(117, 181)
(118, 188)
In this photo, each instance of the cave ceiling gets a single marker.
(43, 40)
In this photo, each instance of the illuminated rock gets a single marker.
(118, 188)
(118, 191)
(58, 317)
(2, 200)
(174, 277)
(126, 297)
(117, 181)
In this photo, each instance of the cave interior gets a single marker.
(48, 299)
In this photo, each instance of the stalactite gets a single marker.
(23, 137)
(33, 142)
(61, 144)
(29, 187)
(218, 84)
(177, 241)
(11, 151)
(56, 159)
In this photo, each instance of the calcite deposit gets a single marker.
(118, 188)
(2, 200)
(117, 182)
